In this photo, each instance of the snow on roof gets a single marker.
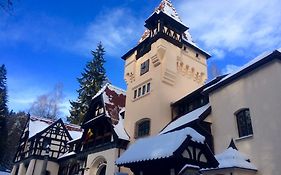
(166, 7)
(114, 99)
(157, 147)
(37, 124)
(255, 60)
(187, 166)
(120, 129)
(67, 154)
(112, 87)
(75, 134)
(187, 118)
(232, 158)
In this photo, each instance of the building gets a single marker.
(170, 121)
(41, 144)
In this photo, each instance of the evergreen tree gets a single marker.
(3, 110)
(92, 80)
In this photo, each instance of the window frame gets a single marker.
(144, 67)
(144, 132)
(244, 122)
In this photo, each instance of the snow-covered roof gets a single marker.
(37, 124)
(241, 69)
(120, 129)
(167, 7)
(112, 87)
(114, 99)
(188, 166)
(231, 158)
(185, 119)
(67, 154)
(158, 147)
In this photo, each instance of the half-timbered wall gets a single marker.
(56, 136)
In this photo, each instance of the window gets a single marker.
(148, 87)
(244, 122)
(144, 67)
(141, 91)
(99, 110)
(142, 128)
(135, 94)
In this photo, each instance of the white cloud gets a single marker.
(236, 26)
(117, 29)
(230, 68)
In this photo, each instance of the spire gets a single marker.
(167, 7)
(232, 145)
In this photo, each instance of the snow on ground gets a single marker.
(187, 118)
(4, 173)
(157, 147)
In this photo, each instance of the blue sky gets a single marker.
(46, 43)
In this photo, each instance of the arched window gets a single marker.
(142, 128)
(244, 123)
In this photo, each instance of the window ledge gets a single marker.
(244, 137)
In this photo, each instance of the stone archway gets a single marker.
(98, 166)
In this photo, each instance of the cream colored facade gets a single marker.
(96, 161)
(173, 73)
(260, 92)
(35, 167)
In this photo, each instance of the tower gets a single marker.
(164, 66)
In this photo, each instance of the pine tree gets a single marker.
(92, 80)
(3, 110)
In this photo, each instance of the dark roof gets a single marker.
(249, 67)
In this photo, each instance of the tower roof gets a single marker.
(167, 8)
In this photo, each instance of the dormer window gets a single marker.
(99, 110)
(144, 67)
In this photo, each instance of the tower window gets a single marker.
(197, 55)
(144, 67)
(142, 128)
(244, 122)
(135, 93)
(148, 87)
(141, 91)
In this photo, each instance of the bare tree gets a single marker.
(48, 105)
(6, 5)
(215, 71)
